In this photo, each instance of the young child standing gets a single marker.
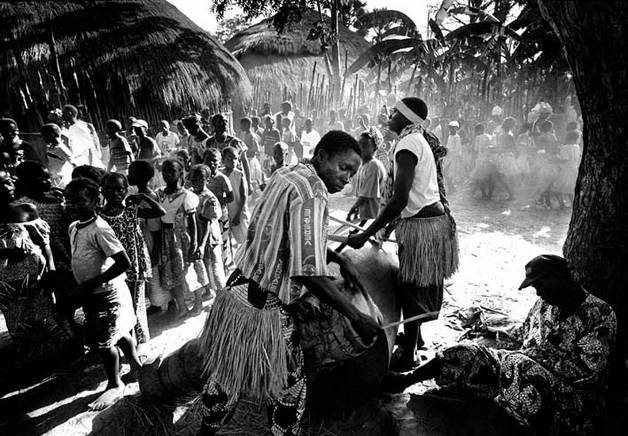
(122, 213)
(140, 174)
(208, 214)
(370, 178)
(220, 185)
(179, 239)
(59, 156)
(120, 152)
(98, 263)
(481, 175)
(237, 209)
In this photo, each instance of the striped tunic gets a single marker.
(287, 236)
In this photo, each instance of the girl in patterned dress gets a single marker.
(121, 212)
(177, 265)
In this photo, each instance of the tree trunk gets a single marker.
(594, 37)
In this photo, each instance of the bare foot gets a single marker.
(108, 398)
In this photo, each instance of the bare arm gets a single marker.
(192, 230)
(50, 262)
(121, 264)
(155, 210)
(327, 291)
(406, 163)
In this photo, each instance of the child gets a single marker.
(98, 263)
(178, 238)
(288, 137)
(208, 213)
(238, 210)
(59, 156)
(34, 188)
(280, 156)
(120, 153)
(370, 178)
(121, 212)
(147, 147)
(484, 164)
(220, 185)
(269, 138)
(140, 174)
(547, 157)
(454, 159)
(568, 160)
(507, 169)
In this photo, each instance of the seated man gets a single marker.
(555, 381)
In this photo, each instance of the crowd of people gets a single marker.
(133, 225)
(497, 156)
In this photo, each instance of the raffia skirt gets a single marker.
(247, 349)
(428, 249)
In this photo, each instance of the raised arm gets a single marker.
(406, 163)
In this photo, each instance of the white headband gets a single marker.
(408, 113)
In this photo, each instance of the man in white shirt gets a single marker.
(84, 150)
(309, 139)
(428, 245)
(167, 140)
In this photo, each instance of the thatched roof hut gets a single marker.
(118, 58)
(274, 61)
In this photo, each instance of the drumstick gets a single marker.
(348, 224)
(412, 318)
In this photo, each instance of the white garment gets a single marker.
(84, 150)
(167, 142)
(92, 248)
(309, 142)
(424, 190)
(59, 165)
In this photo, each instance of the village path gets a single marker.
(496, 240)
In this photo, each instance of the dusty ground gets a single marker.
(496, 240)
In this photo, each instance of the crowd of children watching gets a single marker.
(135, 225)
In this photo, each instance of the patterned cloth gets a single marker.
(287, 236)
(29, 236)
(209, 213)
(53, 213)
(285, 411)
(108, 317)
(556, 380)
(120, 155)
(126, 227)
(174, 261)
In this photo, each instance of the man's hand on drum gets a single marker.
(358, 240)
(366, 327)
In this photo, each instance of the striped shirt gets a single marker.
(287, 236)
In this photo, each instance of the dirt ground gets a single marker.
(496, 240)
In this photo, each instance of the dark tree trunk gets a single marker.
(594, 35)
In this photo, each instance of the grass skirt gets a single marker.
(245, 349)
(428, 249)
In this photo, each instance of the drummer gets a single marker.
(248, 341)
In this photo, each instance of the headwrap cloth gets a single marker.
(408, 113)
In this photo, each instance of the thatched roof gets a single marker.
(118, 58)
(273, 60)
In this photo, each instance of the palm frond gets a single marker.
(379, 18)
(381, 50)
